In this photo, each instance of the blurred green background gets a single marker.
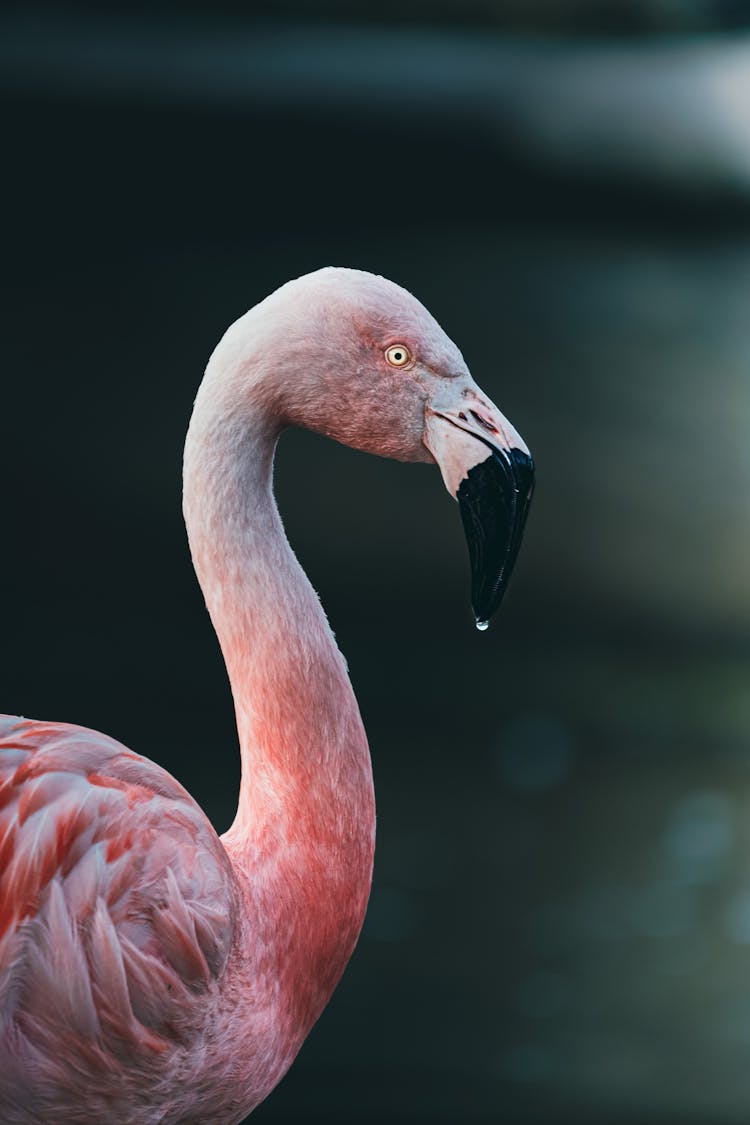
(559, 929)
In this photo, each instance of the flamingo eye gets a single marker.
(398, 355)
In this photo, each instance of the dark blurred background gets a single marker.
(559, 929)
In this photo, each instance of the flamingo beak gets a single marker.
(487, 467)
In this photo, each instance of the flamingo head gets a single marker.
(367, 365)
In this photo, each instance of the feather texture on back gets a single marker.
(116, 918)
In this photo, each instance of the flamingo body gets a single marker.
(152, 972)
(116, 917)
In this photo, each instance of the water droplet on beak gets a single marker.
(482, 626)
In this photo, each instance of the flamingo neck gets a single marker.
(303, 836)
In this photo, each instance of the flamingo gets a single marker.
(151, 970)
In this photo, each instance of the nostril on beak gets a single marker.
(483, 422)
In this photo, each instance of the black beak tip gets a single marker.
(494, 501)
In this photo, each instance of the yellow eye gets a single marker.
(398, 355)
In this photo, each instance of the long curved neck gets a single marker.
(303, 836)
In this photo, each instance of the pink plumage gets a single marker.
(150, 970)
(116, 917)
